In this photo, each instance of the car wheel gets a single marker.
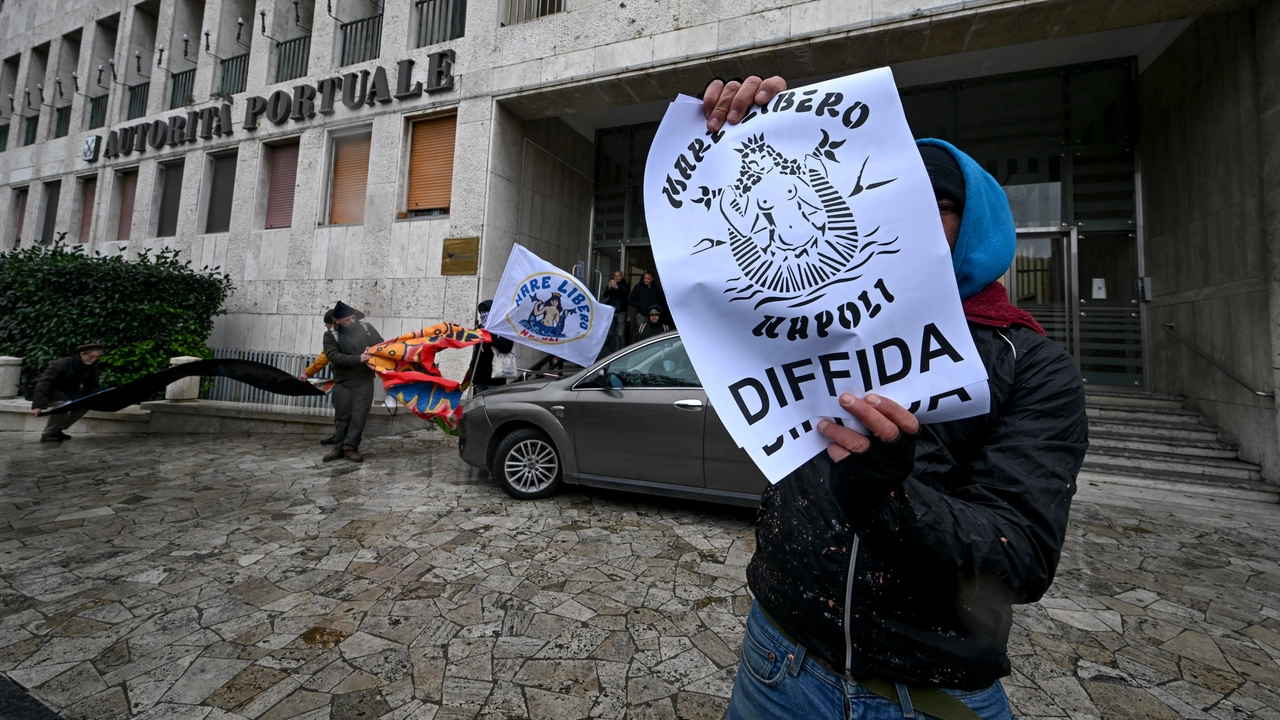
(527, 465)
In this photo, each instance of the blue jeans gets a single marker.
(776, 680)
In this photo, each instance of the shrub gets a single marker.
(145, 311)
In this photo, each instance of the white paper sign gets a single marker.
(803, 256)
(543, 307)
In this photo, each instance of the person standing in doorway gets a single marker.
(648, 294)
(615, 296)
(652, 327)
(66, 379)
(322, 361)
(345, 347)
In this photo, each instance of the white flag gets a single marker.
(543, 307)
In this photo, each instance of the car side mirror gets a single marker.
(614, 382)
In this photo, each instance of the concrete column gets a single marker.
(187, 388)
(1267, 42)
(10, 373)
(158, 95)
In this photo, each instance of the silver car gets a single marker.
(638, 420)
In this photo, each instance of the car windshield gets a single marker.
(660, 364)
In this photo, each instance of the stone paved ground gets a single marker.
(215, 578)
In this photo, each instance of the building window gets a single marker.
(128, 182)
(61, 121)
(170, 199)
(138, 100)
(440, 21)
(291, 62)
(20, 214)
(518, 11)
(4, 137)
(235, 74)
(281, 184)
(361, 40)
(29, 126)
(222, 188)
(52, 191)
(88, 195)
(97, 111)
(350, 178)
(431, 166)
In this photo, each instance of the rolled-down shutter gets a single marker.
(128, 191)
(87, 198)
(284, 177)
(350, 180)
(170, 199)
(431, 164)
(221, 190)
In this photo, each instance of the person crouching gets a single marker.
(66, 379)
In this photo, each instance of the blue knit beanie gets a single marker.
(988, 239)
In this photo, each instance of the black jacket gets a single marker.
(65, 379)
(616, 297)
(644, 297)
(937, 558)
(344, 346)
(649, 329)
(482, 361)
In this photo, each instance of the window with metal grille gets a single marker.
(52, 191)
(181, 88)
(128, 182)
(20, 214)
(4, 137)
(518, 11)
(350, 179)
(170, 199)
(61, 121)
(281, 185)
(440, 21)
(291, 60)
(88, 195)
(361, 40)
(431, 165)
(29, 125)
(97, 112)
(235, 73)
(221, 190)
(138, 100)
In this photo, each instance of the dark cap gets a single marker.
(91, 346)
(342, 310)
(944, 173)
(655, 310)
(328, 317)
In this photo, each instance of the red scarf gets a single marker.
(991, 307)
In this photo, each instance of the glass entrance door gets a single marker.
(1042, 282)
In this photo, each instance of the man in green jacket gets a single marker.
(345, 347)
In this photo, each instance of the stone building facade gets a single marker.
(1139, 141)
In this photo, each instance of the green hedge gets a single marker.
(146, 310)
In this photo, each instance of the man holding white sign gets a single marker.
(886, 565)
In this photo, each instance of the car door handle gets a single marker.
(689, 404)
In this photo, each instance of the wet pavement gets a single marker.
(229, 577)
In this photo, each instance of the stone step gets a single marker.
(1163, 463)
(1190, 448)
(1166, 416)
(1154, 429)
(1194, 485)
(1094, 398)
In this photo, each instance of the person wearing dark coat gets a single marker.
(653, 326)
(482, 354)
(66, 379)
(886, 567)
(615, 295)
(647, 294)
(352, 393)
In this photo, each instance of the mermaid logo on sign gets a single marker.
(549, 308)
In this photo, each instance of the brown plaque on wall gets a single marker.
(461, 256)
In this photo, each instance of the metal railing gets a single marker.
(292, 61)
(182, 88)
(235, 72)
(519, 11)
(29, 125)
(1168, 327)
(138, 100)
(361, 40)
(440, 21)
(97, 112)
(230, 390)
(4, 137)
(61, 121)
